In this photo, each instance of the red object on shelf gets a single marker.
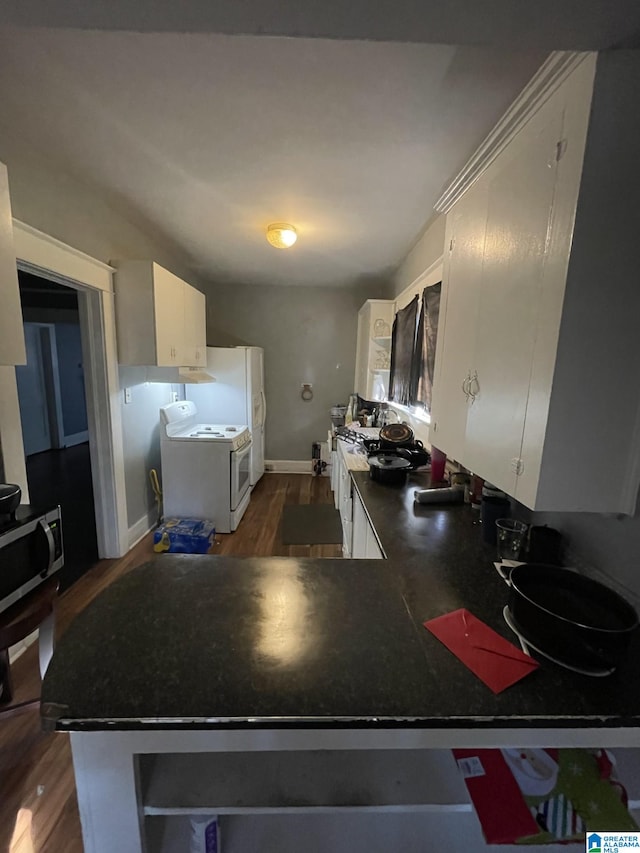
(496, 796)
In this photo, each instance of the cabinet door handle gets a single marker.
(465, 385)
(474, 387)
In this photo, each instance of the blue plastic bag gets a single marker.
(184, 536)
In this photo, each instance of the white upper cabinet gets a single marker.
(373, 349)
(195, 331)
(12, 350)
(512, 287)
(535, 385)
(161, 320)
(458, 315)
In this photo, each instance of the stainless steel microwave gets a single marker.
(31, 550)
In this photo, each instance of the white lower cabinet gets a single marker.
(345, 509)
(365, 541)
(334, 477)
(359, 539)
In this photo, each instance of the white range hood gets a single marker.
(179, 375)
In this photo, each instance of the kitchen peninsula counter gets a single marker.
(192, 676)
(214, 642)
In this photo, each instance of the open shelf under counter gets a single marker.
(325, 800)
(302, 781)
(357, 833)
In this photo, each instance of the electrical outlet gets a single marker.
(127, 395)
(174, 396)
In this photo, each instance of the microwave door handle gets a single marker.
(43, 525)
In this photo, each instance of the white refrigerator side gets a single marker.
(237, 396)
(258, 412)
(225, 400)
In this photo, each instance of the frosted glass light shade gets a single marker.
(281, 235)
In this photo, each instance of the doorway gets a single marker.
(53, 412)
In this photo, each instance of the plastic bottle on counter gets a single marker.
(348, 417)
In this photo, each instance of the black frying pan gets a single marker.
(570, 616)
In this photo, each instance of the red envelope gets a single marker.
(493, 659)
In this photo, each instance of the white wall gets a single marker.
(50, 199)
(308, 335)
(46, 197)
(425, 252)
(141, 426)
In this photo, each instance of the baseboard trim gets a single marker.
(22, 646)
(76, 438)
(142, 527)
(288, 466)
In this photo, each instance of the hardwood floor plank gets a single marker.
(38, 804)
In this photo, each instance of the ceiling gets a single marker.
(543, 24)
(208, 138)
(205, 121)
(349, 131)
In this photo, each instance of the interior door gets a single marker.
(32, 393)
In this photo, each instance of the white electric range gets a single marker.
(205, 467)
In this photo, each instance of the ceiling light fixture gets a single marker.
(281, 235)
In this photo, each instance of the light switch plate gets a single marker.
(127, 395)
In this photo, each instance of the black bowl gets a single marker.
(10, 495)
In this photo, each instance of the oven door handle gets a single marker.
(240, 454)
(44, 526)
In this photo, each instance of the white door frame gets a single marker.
(45, 256)
(49, 366)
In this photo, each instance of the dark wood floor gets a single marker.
(38, 806)
(64, 477)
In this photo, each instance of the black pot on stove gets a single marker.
(396, 435)
(389, 468)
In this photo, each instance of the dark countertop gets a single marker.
(205, 641)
